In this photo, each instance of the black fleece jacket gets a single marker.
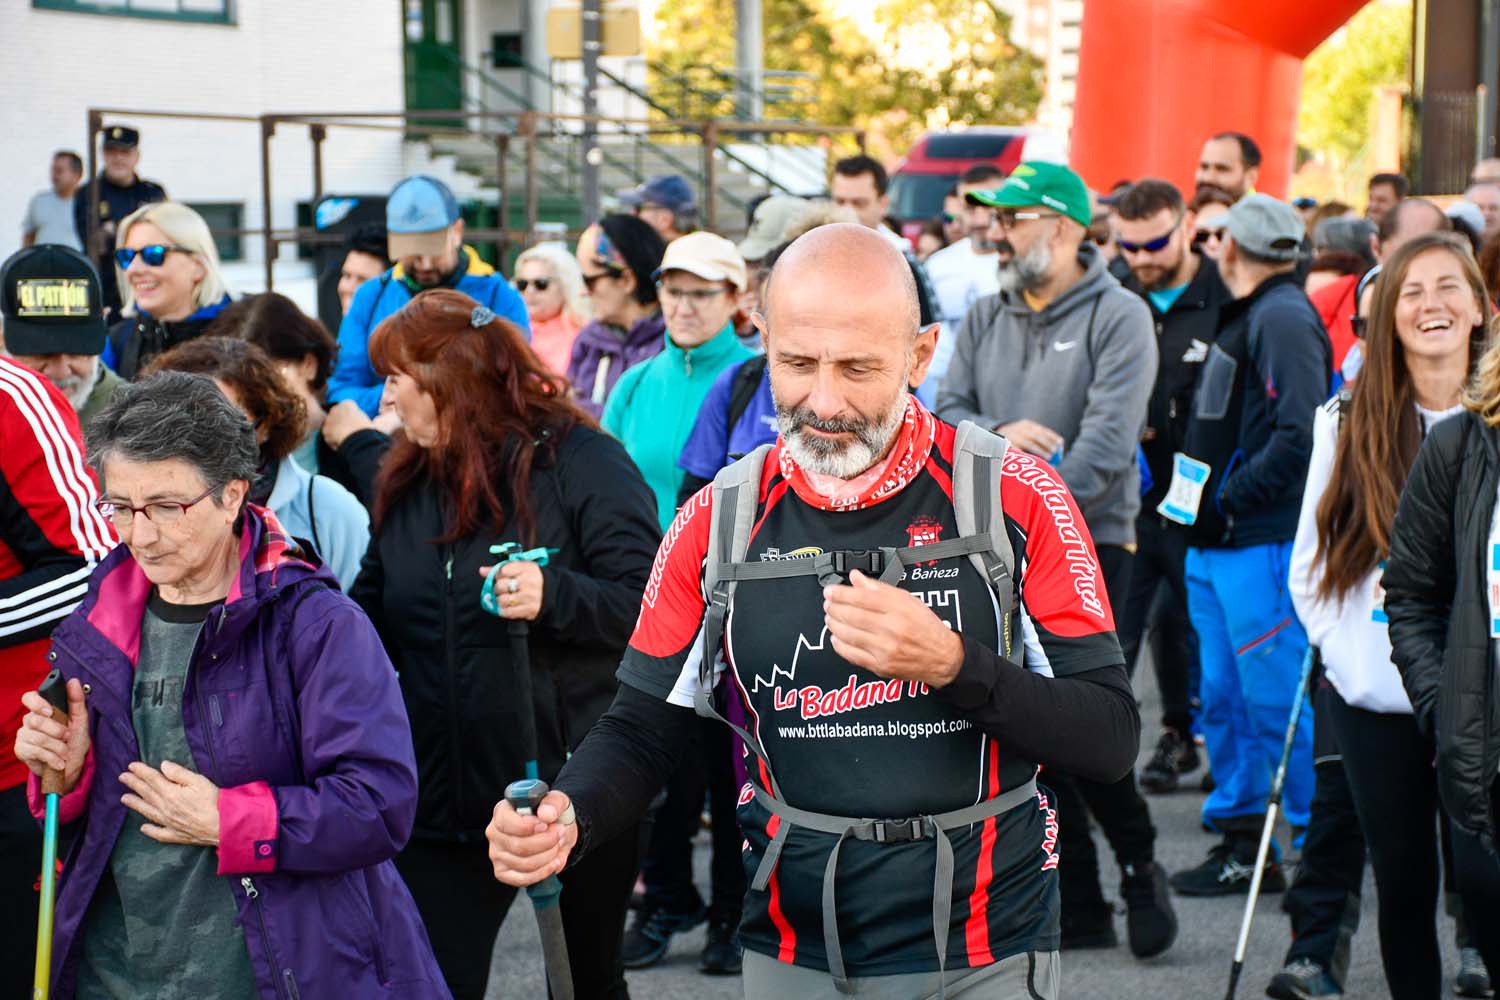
(460, 668)
(1436, 596)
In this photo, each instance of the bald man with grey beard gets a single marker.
(878, 682)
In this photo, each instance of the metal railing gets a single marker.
(503, 128)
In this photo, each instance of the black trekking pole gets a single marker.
(526, 795)
(1273, 804)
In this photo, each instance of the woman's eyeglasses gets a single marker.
(541, 284)
(1202, 236)
(589, 279)
(693, 297)
(1359, 324)
(154, 255)
(157, 511)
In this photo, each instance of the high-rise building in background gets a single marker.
(1051, 30)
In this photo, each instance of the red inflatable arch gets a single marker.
(1157, 77)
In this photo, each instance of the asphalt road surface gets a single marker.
(1196, 967)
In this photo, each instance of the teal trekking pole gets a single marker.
(55, 690)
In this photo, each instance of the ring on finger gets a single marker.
(512, 585)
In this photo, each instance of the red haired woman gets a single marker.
(491, 450)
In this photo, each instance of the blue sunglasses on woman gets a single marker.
(154, 255)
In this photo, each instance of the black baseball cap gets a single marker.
(49, 296)
(121, 137)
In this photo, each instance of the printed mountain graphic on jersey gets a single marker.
(758, 682)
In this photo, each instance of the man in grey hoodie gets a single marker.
(1062, 362)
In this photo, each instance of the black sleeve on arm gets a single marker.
(1086, 724)
(691, 484)
(1421, 572)
(362, 451)
(623, 762)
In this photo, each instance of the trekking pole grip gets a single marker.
(55, 690)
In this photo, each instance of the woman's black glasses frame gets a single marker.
(589, 279)
(541, 284)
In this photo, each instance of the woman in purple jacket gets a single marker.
(619, 256)
(237, 758)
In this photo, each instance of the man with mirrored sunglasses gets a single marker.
(1184, 292)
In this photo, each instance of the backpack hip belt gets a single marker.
(883, 831)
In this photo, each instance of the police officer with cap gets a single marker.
(114, 194)
(51, 300)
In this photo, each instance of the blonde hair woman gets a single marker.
(551, 284)
(170, 284)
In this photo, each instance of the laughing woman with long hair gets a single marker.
(1438, 598)
(492, 450)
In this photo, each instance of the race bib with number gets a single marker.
(1185, 495)
(1494, 590)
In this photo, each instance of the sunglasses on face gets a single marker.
(1359, 324)
(590, 279)
(541, 284)
(1202, 236)
(154, 255)
(1150, 246)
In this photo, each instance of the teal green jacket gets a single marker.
(656, 403)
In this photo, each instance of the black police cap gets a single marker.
(121, 137)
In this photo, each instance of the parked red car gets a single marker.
(934, 164)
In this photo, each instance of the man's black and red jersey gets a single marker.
(844, 741)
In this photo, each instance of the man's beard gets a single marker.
(77, 388)
(1028, 271)
(1155, 277)
(839, 459)
(980, 241)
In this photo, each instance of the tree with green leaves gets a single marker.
(926, 64)
(1340, 79)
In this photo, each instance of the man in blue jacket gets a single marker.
(425, 237)
(1237, 490)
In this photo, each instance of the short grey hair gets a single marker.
(176, 415)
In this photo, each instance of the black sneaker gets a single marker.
(1150, 923)
(1227, 873)
(722, 954)
(1094, 931)
(1473, 979)
(1303, 979)
(648, 936)
(1174, 756)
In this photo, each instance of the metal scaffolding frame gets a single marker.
(524, 127)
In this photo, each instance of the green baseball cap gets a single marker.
(1037, 183)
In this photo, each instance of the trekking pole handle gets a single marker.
(509, 552)
(55, 690)
(525, 797)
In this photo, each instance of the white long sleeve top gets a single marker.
(1351, 631)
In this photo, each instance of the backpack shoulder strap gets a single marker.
(736, 489)
(977, 458)
(735, 492)
(742, 390)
